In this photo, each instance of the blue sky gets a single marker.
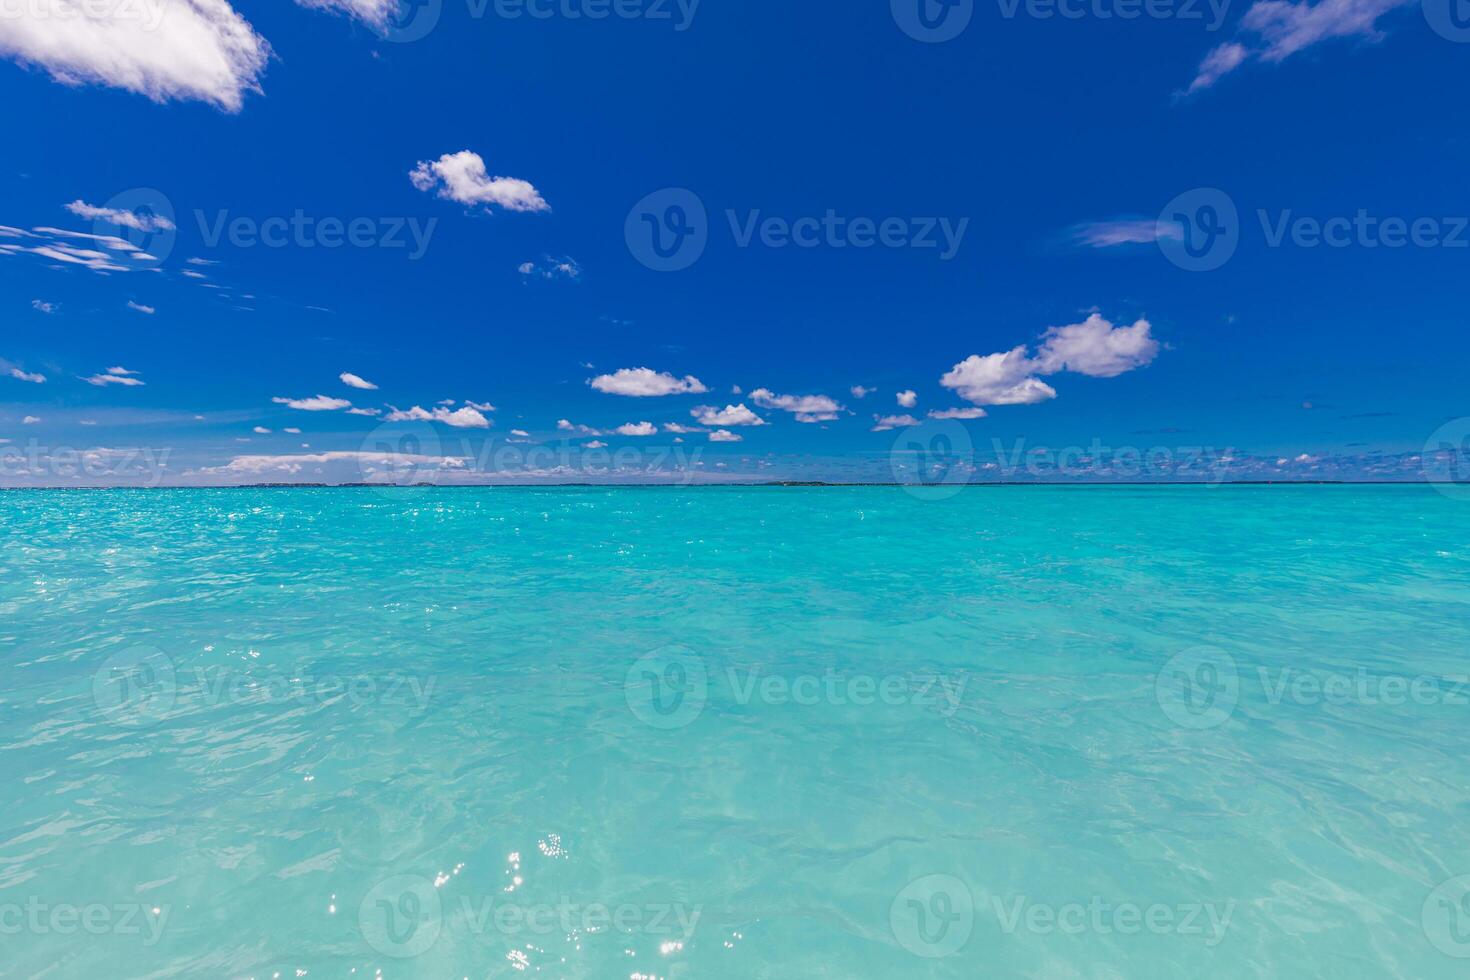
(1049, 188)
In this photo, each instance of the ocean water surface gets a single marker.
(1087, 732)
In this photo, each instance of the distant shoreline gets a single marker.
(773, 484)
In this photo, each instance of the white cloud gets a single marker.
(115, 376)
(882, 423)
(907, 399)
(595, 444)
(190, 273)
(1123, 231)
(1281, 29)
(29, 420)
(729, 415)
(162, 49)
(42, 306)
(460, 418)
(725, 435)
(565, 425)
(479, 406)
(364, 411)
(462, 177)
(199, 261)
(678, 429)
(806, 408)
(1096, 348)
(1220, 62)
(141, 308)
(958, 413)
(123, 219)
(998, 379)
(261, 430)
(374, 13)
(353, 381)
(319, 403)
(14, 371)
(637, 429)
(564, 268)
(519, 432)
(858, 391)
(646, 383)
(292, 430)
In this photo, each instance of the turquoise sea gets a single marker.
(1062, 732)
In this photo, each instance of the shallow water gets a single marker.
(683, 733)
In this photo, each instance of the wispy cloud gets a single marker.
(353, 381)
(1274, 30)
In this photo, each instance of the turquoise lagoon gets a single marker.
(1071, 732)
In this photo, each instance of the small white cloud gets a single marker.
(115, 376)
(481, 406)
(858, 391)
(364, 411)
(725, 435)
(319, 403)
(461, 418)
(141, 308)
(121, 218)
(261, 430)
(30, 420)
(199, 261)
(1123, 231)
(1096, 348)
(637, 429)
(675, 427)
(646, 383)
(353, 381)
(998, 379)
(519, 432)
(958, 413)
(462, 177)
(293, 431)
(563, 268)
(42, 306)
(194, 275)
(806, 408)
(907, 399)
(882, 423)
(15, 372)
(729, 415)
(594, 444)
